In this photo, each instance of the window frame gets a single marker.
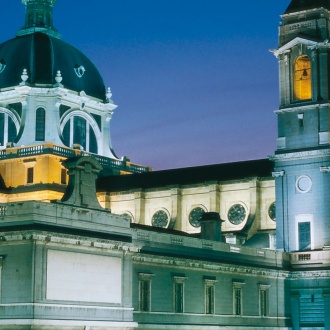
(40, 125)
(238, 299)
(296, 95)
(144, 300)
(264, 300)
(209, 296)
(30, 175)
(179, 304)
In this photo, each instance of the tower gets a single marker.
(302, 158)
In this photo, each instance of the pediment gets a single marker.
(296, 41)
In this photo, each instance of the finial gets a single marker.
(39, 18)
(24, 77)
(108, 94)
(58, 78)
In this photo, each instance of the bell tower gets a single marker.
(302, 158)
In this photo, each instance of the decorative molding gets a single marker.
(69, 240)
(278, 174)
(211, 266)
(324, 169)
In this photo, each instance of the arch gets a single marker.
(93, 137)
(10, 127)
(40, 127)
(302, 78)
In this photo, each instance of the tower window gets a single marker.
(302, 80)
(8, 129)
(40, 124)
(77, 130)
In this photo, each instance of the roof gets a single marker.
(184, 176)
(300, 5)
(43, 55)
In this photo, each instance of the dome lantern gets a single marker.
(39, 18)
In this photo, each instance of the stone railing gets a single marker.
(50, 148)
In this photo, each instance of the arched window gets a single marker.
(302, 80)
(8, 128)
(78, 130)
(40, 124)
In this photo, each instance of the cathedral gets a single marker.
(92, 241)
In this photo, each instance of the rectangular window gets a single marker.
(301, 119)
(178, 293)
(178, 297)
(30, 175)
(209, 285)
(63, 176)
(237, 301)
(304, 232)
(263, 300)
(145, 292)
(238, 298)
(209, 299)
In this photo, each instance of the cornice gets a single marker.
(208, 266)
(310, 274)
(57, 238)
(300, 155)
(298, 108)
(70, 98)
(296, 41)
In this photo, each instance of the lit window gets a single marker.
(302, 80)
(40, 124)
(178, 293)
(263, 300)
(145, 292)
(238, 298)
(209, 285)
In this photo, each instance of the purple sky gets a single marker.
(194, 80)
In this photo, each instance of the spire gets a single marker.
(39, 18)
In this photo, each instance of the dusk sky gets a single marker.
(194, 80)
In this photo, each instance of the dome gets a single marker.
(42, 55)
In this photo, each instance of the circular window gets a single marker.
(272, 211)
(160, 219)
(236, 214)
(304, 184)
(195, 216)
